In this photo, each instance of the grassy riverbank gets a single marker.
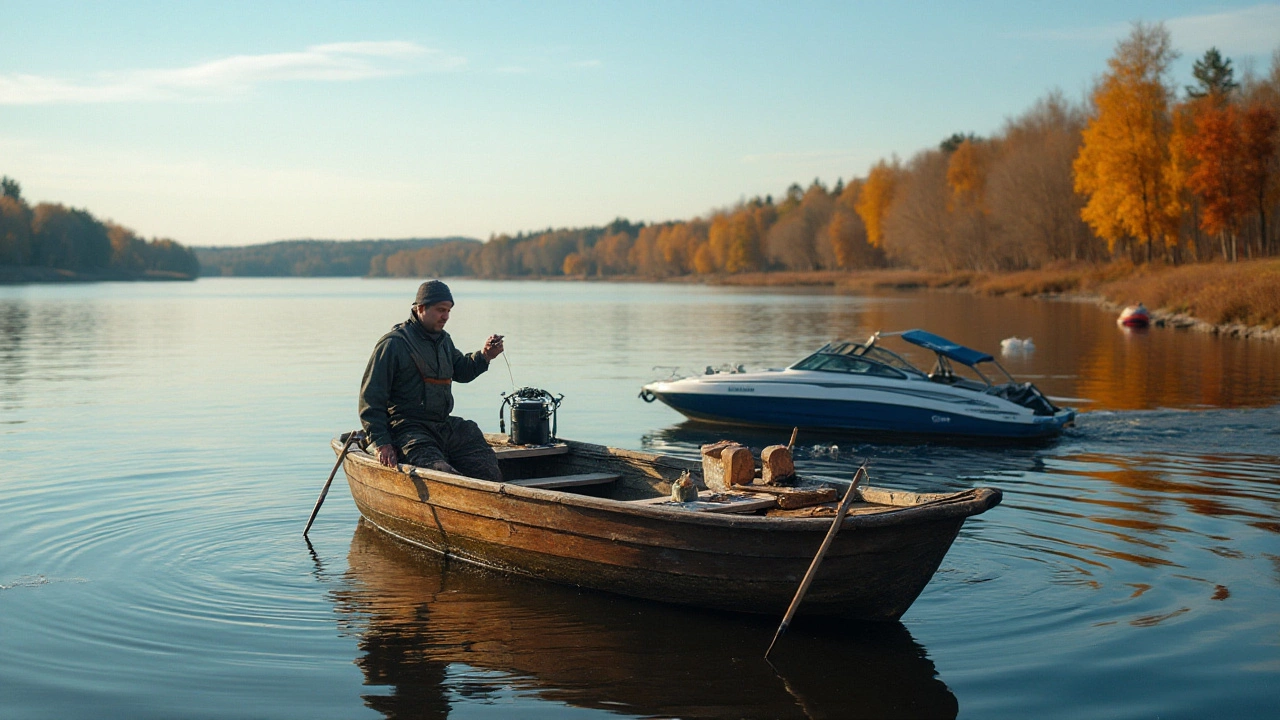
(1238, 298)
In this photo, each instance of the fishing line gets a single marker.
(509, 375)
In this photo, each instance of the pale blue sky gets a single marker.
(226, 123)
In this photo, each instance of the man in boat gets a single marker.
(406, 395)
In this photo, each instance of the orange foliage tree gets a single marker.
(718, 240)
(1214, 148)
(967, 174)
(574, 264)
(1259, 132)
(612, 254)
(703, 261)
(15, 230)
(846, 231)
(745, 230)
(875, 198)
(643, 255)
(1123, 163)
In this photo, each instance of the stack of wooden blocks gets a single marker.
(729, 467)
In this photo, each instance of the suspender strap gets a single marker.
(419, 362)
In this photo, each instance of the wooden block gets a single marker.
(713, 475)
(739, 466)
(776, 465)
(806, 498)
(794, 498)
(715, 448)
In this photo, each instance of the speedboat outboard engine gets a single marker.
(533, 416)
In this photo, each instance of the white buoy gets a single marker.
(1016, 346)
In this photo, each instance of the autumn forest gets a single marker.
(52, 235)
(1143, 170)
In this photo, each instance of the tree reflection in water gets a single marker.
(418, 617)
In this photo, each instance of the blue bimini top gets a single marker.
(943, 346)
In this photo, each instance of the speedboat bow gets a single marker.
(864, 387)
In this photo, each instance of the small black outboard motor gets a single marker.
(533, 416)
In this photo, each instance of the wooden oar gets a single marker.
(352, 437)
(817, 559)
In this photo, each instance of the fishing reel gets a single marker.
(533, 416)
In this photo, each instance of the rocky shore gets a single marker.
(1183, 321)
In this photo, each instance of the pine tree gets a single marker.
(1214, 75)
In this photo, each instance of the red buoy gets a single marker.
(1135, 316)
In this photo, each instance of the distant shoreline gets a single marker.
(29, 275)
(1240, 299)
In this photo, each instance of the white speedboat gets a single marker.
(864, 387)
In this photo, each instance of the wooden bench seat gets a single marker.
(725, 503)
(519, 451)
(563, 481)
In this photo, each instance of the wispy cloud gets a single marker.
(237, 74)
(1246, 31)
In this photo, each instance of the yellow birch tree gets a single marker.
(873, 202)
(1123, 163)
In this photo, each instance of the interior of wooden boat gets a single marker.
(646, 479)
(641, 478)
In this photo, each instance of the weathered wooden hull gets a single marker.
(875, 569)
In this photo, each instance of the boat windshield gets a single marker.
(857, 359)
(890, 358)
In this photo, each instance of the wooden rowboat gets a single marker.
(600, 517)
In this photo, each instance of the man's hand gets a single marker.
(492, 347)
(387, 455)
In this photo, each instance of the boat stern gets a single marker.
(1051, 425)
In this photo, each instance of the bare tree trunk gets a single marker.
(1266, 239)
(1263, 240)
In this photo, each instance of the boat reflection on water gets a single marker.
(431, 630)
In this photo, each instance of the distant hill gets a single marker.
(307, 258)
(55, 243)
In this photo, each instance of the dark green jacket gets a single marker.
(399, 406)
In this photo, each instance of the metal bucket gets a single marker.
(531, 422)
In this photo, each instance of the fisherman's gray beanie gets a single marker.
(432, 292)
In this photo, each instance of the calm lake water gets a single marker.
(163, 445)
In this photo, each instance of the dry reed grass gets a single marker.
(1244, 293)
